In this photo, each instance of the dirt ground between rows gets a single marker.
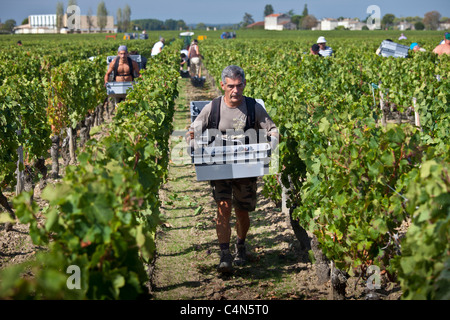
(187, 247)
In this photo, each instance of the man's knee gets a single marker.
(224, 204)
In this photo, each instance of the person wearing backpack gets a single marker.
(195, 59)
(233, 113)
(122, 68)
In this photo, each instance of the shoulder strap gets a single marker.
(251, 103)
(116, 66)
(214, 116)
(130, 64)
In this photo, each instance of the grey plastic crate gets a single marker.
(118, 89)
(232, 162)
(392, 49)
(238, 160)
(196, 107)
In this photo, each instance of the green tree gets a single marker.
(309, 22)
(305, 11)
(268, 9)
(59, 15)
(290, 13)
(126, 18)
(90, 20)
(248, 19)
(9, 25)
(431, 20)
(119, 18)
(419, 25)
(170, 24)
(181, 25)
(102, 14)
(297, 20)
(387, 20)
(200, 26)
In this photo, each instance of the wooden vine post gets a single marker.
(383, 116)
(416, 114)
(20, 174)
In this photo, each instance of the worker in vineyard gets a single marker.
(315, 50)
(415, 47)
(158, 46)
(325, 50)
(124, 68)
(195, 59)
(445, 47)
(233, 108)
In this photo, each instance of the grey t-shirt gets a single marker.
(234, 118)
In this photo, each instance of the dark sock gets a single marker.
(240, 241)
(224, 246)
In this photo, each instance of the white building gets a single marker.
(328, 24)
(350, 24)
(444, 25)
(46, 23)
(279, 22)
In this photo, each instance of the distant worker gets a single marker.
(158, 46)
(325, 50)
(402, 37)
(314, 50)
(19, 43)
(415, 47)
(184, 54)
(378, 52)
(195, 59)
(443, 40)
(445, 47)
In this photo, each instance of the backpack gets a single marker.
(116, 66)
(214, 116)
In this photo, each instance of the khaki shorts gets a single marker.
(195, 64)
(241, 191)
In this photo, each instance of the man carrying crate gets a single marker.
(125, 69)
(122, 69)
(233, 112)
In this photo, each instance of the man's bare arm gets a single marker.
(110, 69)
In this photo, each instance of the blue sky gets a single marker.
(227, 11)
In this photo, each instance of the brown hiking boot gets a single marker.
(226, 259)
(241, 255)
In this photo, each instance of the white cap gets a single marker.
(321, 40)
